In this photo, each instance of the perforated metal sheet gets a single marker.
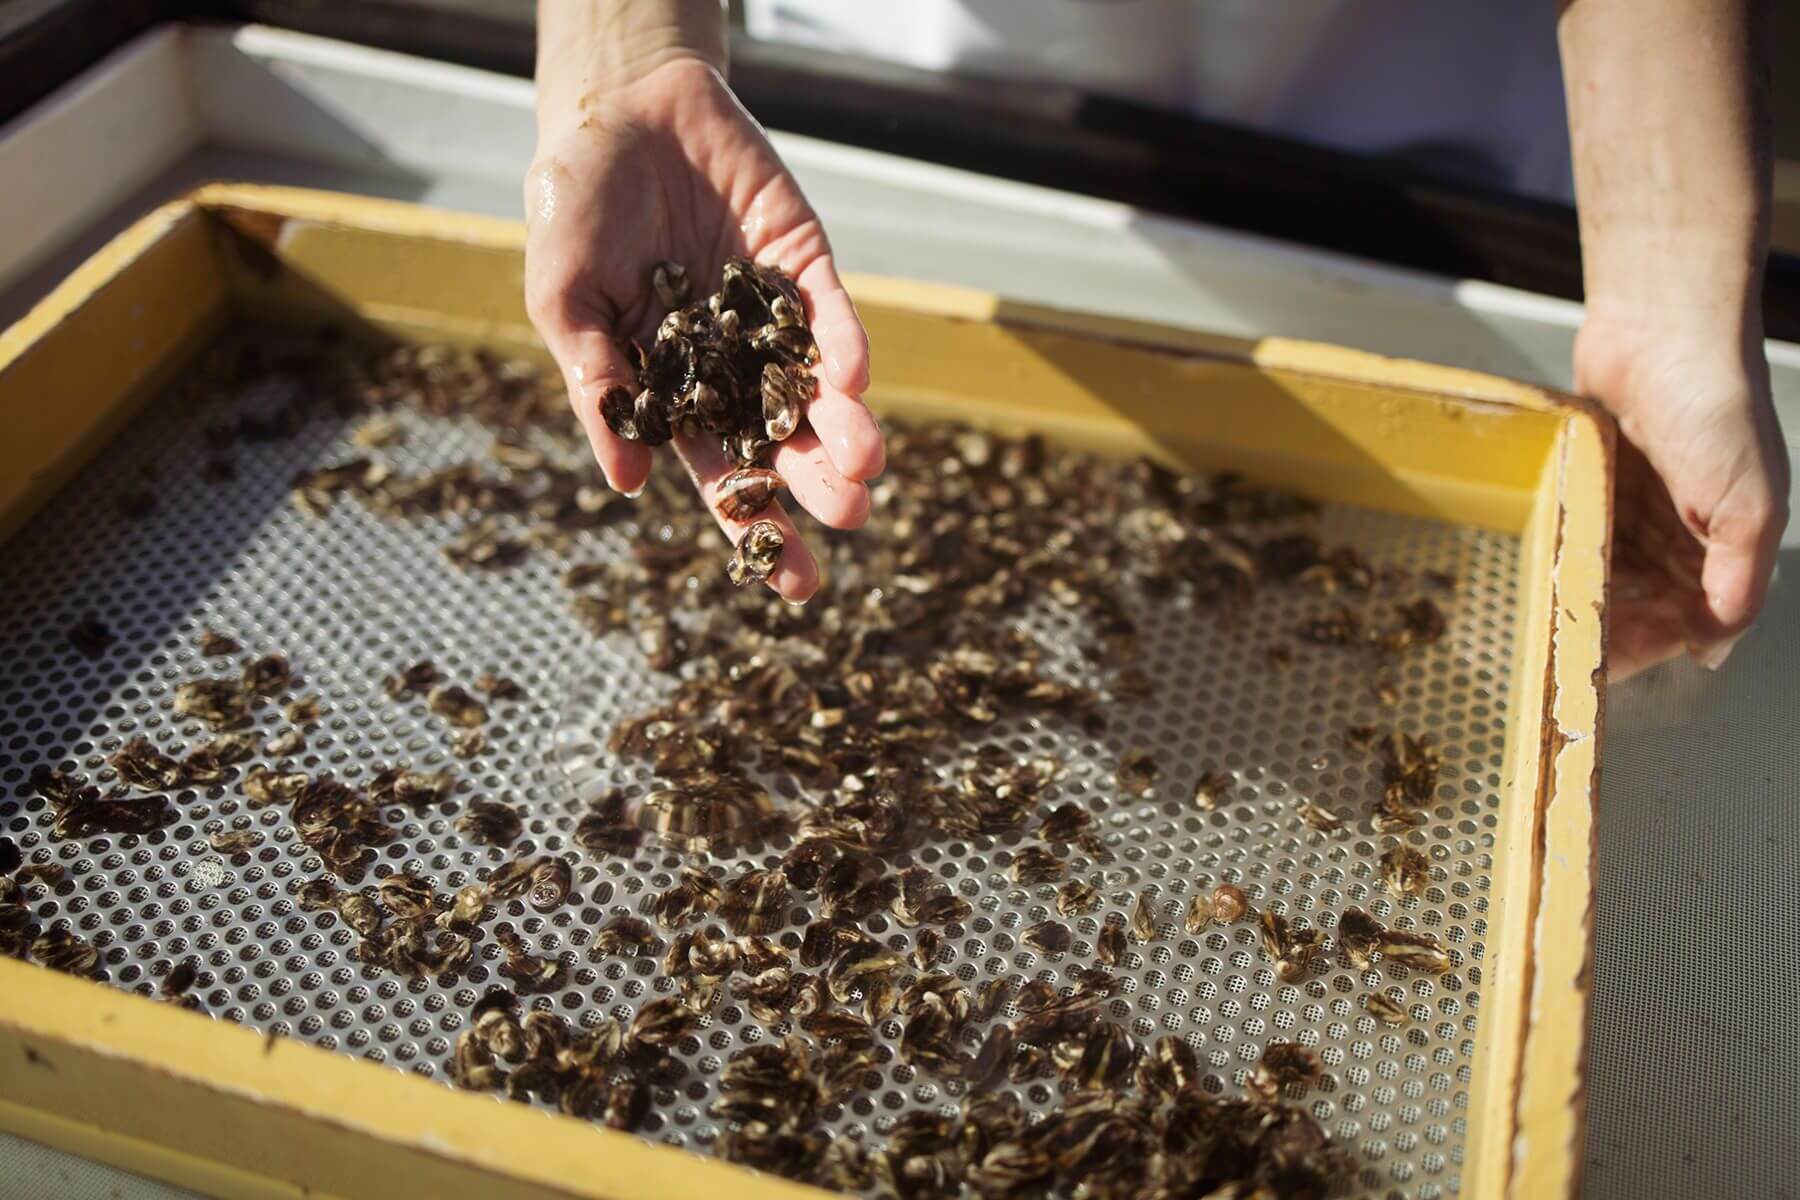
(352, 598)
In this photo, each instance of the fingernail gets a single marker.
(633, 494)
(1713, 657)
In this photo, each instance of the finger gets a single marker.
(816, 484)
(1647, 623)
(847, 430)
(1742, 541)
(1735, 580)
(796, 574)
(1735, 583)
(1642, 637)
(843, 343)
(591, 364)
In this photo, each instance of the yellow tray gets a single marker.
(219, 1108)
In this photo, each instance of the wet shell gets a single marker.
(142, 814)
(1359, 936)
(1138, 770)
(663, 1022)
(755, 902)
(695, 894)
(511, 880)
(490, 822)
(990, 998)
(207, 763)
(1199, 912)
(406, 896)
(1385, 1010)
(467, 743)
(1392, 814)
(1143, 919)
(1283, 1065)
(213, 644)
(1035, 864)
(379, 430)
(499, 687)
(61, 950)
(746, 492)
(263, 786)
(619, 410)
(1415, 951)
(1107, 1058)
(625, 935)
(628, 1105)
(1076, 897)
(1405, 871)
(359, 912)
(234, 841)
(1229, 903)
(786, 391)
(756, 555)
(466, 907)
(287, 743)
(221, 703)
(268, 675)
(1319, 817)
(1210, 788)
(415, 680)
(1109, 947)
(1051, 937)
(180, 978)
(402, 785)
(926, 944)
(456, 703)
(670, 282)
(1291, 949)
(140, 764)
(1169, 1069)
(550, 883)
(316, 895)
(529, 972)
(304, 711)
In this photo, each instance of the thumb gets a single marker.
(591, 365)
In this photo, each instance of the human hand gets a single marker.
(666, 166)
(1702, 482)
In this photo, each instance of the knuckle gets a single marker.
(1764, 511)
(870, 459)
(547, 300)
(857, 508)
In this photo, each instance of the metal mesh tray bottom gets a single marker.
(352, 598)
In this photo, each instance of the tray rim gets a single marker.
(1537, 1081)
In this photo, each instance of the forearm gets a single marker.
(586, 47)
(1668, 123)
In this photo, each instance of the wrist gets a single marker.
(1627, 350)
(591, 50)
(1693, 286)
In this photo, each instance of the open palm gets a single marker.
(671, 168)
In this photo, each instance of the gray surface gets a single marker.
(353, 597)
(1695, 1074)
(29, 1171)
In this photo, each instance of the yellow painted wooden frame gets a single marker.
(220, 1109)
